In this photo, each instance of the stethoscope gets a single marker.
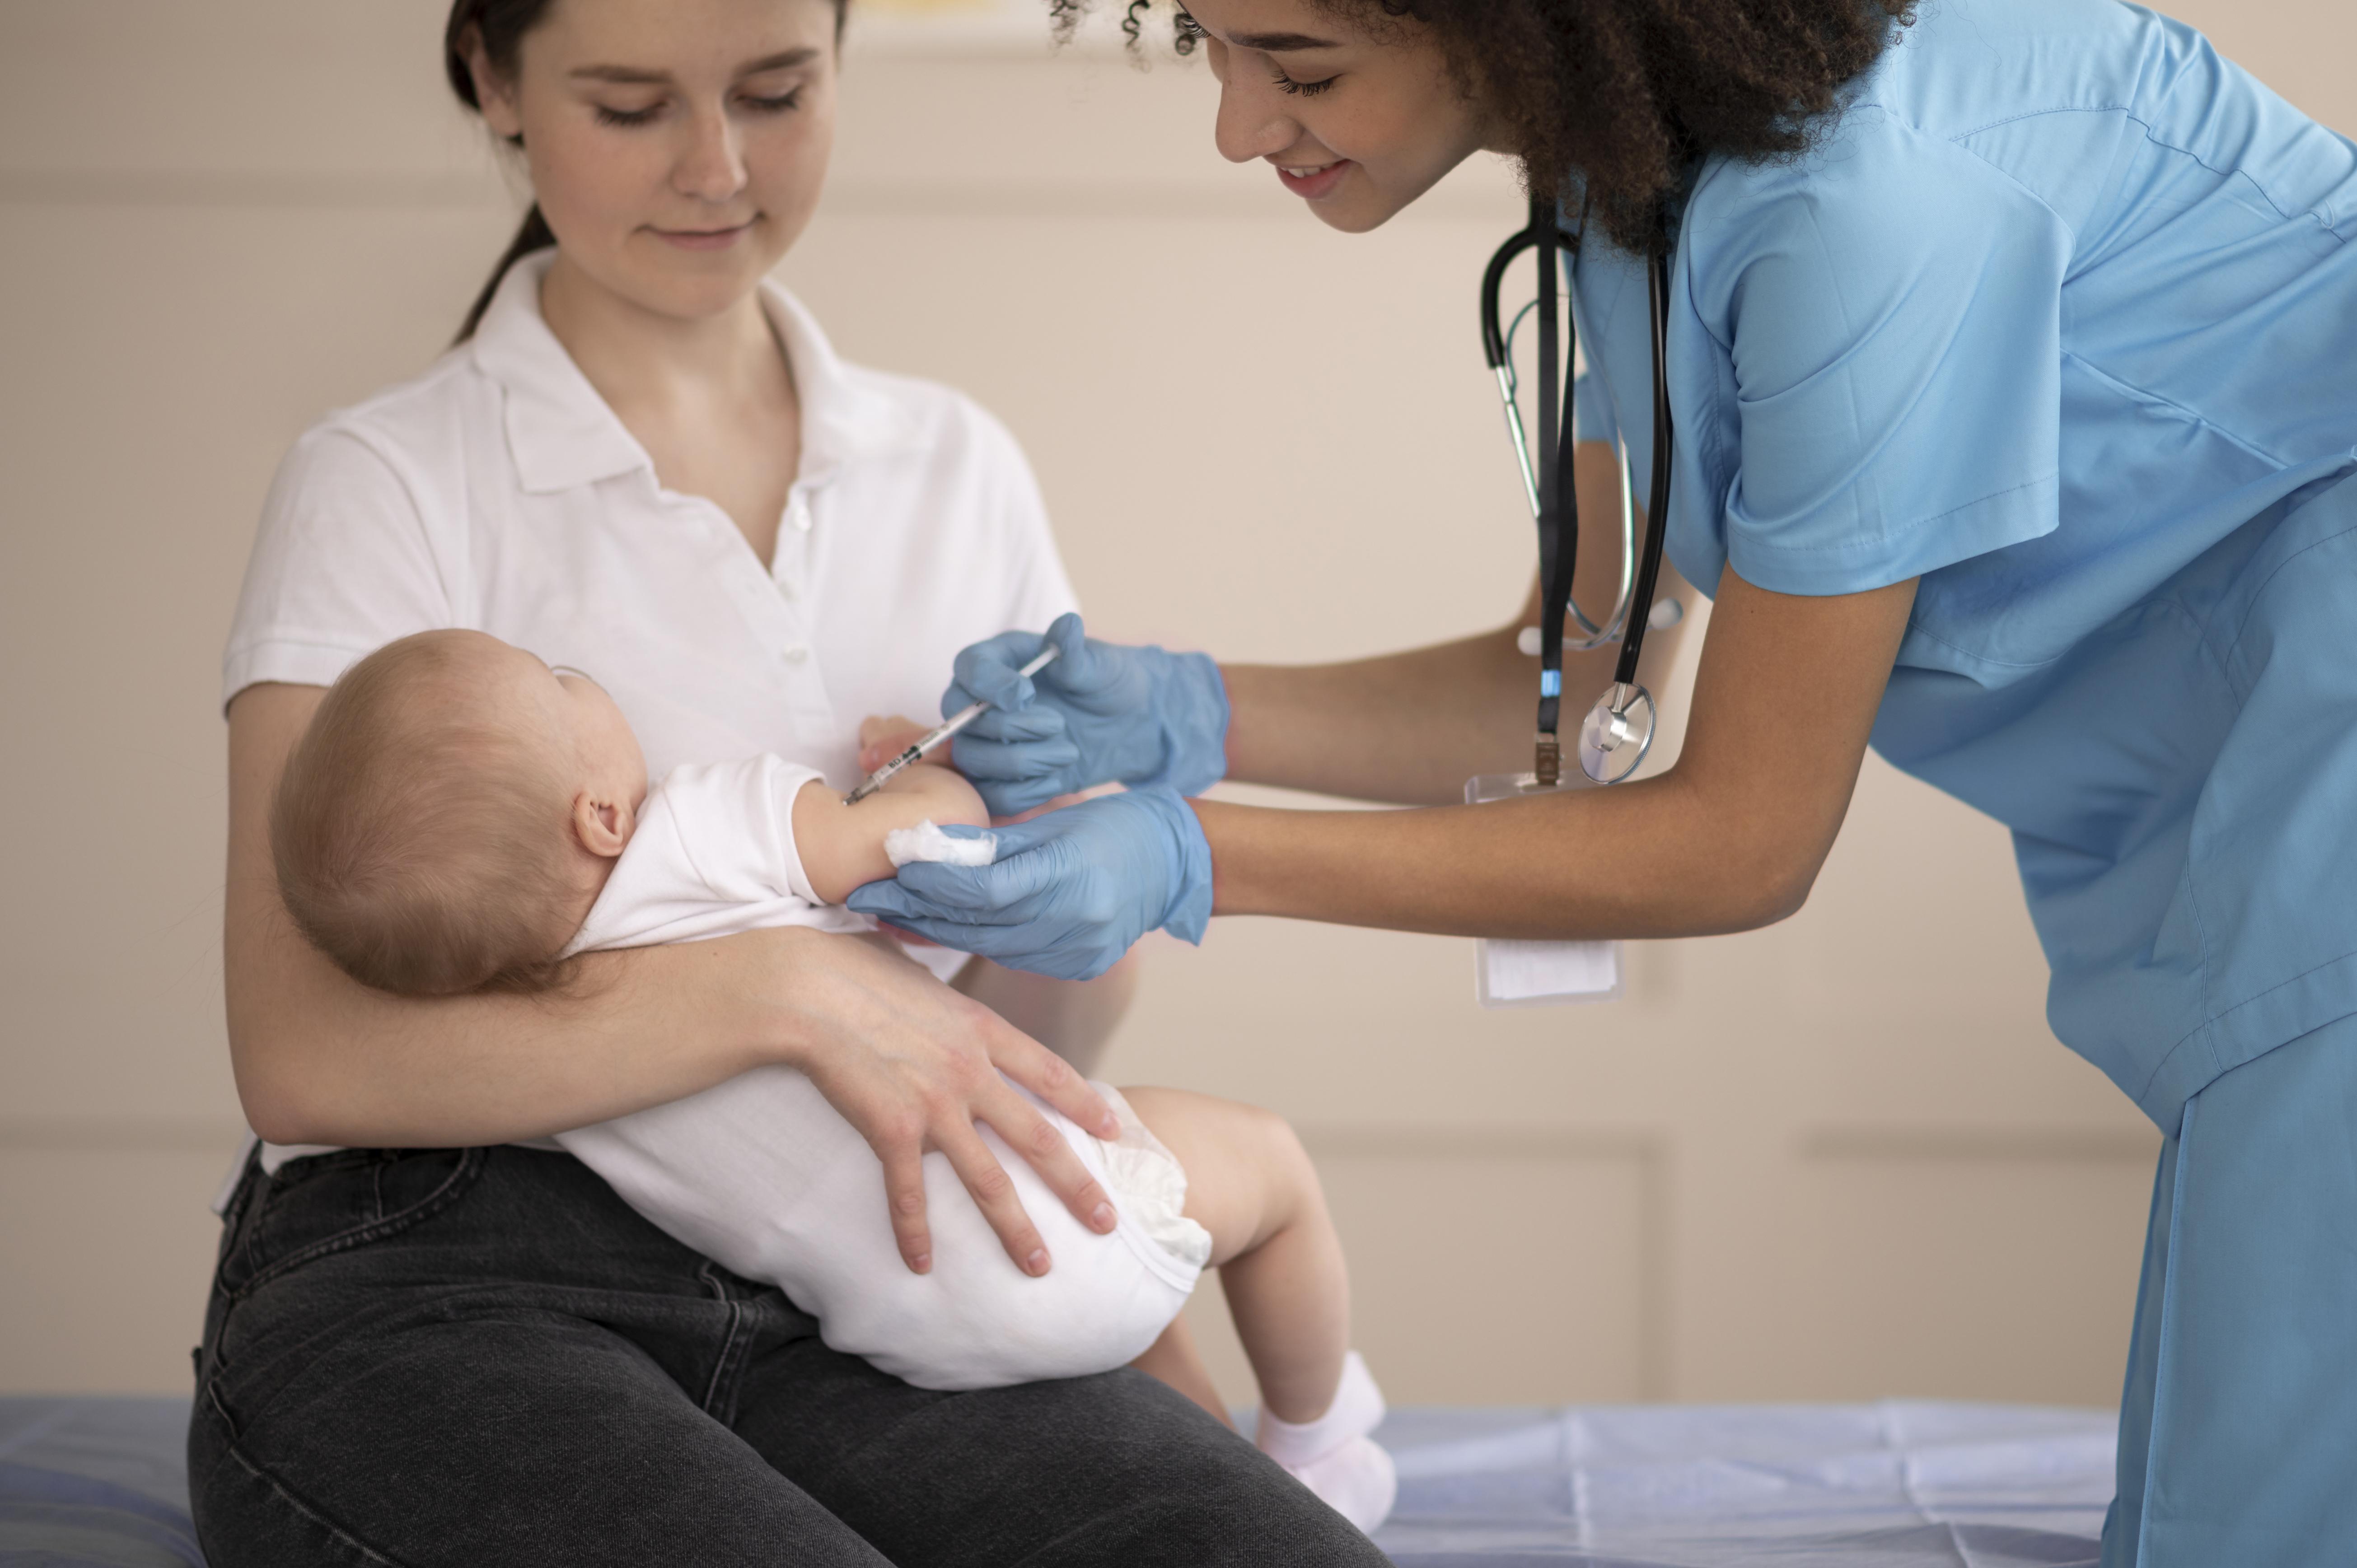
(1619, 730)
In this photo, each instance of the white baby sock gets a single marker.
(927, 841)
(1333, 1456)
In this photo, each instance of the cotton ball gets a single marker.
(927, 841)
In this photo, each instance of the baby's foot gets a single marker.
(1356, 1480)
(1333, 1456)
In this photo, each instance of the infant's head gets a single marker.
(448, 819)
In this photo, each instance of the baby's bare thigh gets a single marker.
(1244, 1165)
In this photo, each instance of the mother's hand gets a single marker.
(1101, 713)
(1070, 891)
(914, 1065)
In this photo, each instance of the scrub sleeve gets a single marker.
(1871, 374)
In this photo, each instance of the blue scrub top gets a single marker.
(2060, 318)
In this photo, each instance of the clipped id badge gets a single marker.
(1513, 973)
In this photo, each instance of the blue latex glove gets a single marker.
(1071, 890)
(1101, 713)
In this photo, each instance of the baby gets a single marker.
(459, 816)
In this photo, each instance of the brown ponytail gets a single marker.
(534, 236)
(497, 27)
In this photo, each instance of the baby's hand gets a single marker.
(883, 737)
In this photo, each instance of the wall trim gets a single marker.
(1475, 1141)
(249, 188)
(1893, 1141)
(129, 1135)
(1646, 1149)
(1241, 199)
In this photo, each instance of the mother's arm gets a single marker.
(322, 1058)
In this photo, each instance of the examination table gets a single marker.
(1897, 1484)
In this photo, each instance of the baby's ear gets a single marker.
(602, 826)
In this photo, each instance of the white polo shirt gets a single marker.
(498, 492)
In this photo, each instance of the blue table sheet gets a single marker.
(99, 1483)
(1895, 1484)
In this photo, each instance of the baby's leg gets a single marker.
(1174, 1359)
(1249, 1184)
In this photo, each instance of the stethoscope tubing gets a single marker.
(1592, 635)
(1657, 504)
(1497, 349)
(1553, 499)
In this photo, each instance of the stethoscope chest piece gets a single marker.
(1616, 733)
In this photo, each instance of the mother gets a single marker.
(2012, 350)
(429, 1342)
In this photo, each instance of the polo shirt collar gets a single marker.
(562, 435)
(844, 418)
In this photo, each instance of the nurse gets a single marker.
(2013, 356)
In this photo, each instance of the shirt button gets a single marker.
(798, 512)
(794, 652)
(786, 590)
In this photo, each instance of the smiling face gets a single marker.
(677, 148)
(1358, 120)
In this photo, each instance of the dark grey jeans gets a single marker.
(481, 1357)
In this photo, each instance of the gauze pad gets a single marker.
(927, 841)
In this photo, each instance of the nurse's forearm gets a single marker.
(1407, 727)
(1410, 728)
(1731, 838)
(1641, 860)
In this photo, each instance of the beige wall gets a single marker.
(1835, 1159)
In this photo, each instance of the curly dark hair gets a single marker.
(1627, 94)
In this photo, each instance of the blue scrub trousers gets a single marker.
(2238, 1427)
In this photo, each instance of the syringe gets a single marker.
(934, 737)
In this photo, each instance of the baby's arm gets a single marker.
(842, 846)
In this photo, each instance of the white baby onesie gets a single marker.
(761, 1174)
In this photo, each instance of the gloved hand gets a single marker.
(1101, 713)
(1071, 890)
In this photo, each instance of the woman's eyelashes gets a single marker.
(1192, 32)
(757, 103)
